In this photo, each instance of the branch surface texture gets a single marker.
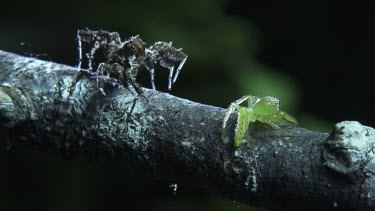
(179, 140)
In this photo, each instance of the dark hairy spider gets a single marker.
(109, 57)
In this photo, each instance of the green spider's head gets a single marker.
(266, 105)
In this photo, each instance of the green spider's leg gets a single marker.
(230, 110)
(234, 105)
(245, 116)
(251, 100)
(284, 115)
(242, 126)
(242, 99)
(268, 120)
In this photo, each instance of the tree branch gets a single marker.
(179, 140)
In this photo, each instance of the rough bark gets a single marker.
(179, 140)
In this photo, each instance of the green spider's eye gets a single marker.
(273, 102)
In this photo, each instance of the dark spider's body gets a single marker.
(122, 60)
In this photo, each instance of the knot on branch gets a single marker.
(349, 148)
(14, 105)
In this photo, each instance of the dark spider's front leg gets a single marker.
(100, 81)
(170, 65)
(130, 77)
(116, 70)
(101, 37)
(168, 56)
(149, 64)
(79, 52)
(182, 62)
(124, 76)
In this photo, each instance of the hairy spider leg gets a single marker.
(99, 80)
(179, 69)
(130, 77)
(152, 73)
(151, 68)
(149, 64)
(103, 67)
(79, 52)
(79, 38)
(170, 77)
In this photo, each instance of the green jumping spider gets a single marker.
(265, 110)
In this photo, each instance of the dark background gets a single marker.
(315, 56)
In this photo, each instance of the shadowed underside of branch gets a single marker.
(176, 139)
